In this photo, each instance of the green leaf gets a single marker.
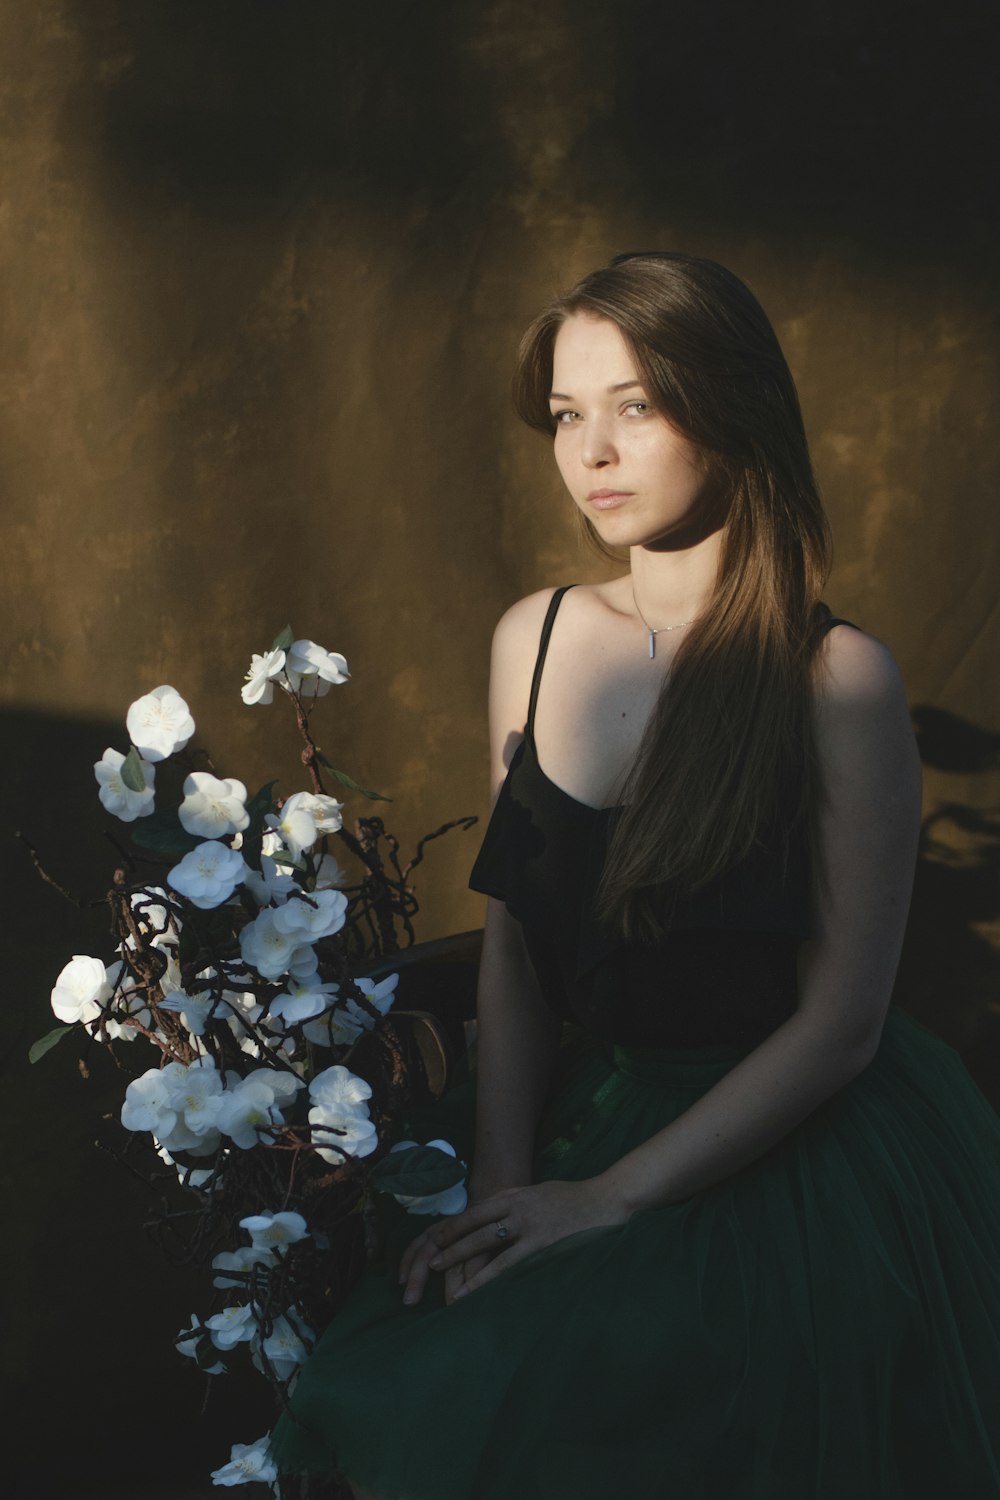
(131, 771)
(417, 1172)
(162, 832)
(283, 639)
(38, 1049)
(346, 780)
(258, 808)
(253, 835)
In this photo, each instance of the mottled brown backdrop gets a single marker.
(264, 270)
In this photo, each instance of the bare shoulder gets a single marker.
(855, 670)
(515, 649)
(864, 731)
(521, 624)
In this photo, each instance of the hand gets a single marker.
(414, 1265)
(467, 1248)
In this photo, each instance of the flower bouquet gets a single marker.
(279, 1076)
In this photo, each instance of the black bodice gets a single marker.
(725, 970)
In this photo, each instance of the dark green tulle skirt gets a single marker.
(824, 1325)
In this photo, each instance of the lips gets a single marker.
(608, 499)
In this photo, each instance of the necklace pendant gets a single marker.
(652, 642)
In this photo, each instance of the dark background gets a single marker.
(264, 269)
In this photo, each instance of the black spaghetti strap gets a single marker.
(830, 620)
(543, 646)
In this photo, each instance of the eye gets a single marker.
(642, 407)
(560, 417)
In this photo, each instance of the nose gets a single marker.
(597, 448)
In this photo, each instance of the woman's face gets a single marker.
(630, 472)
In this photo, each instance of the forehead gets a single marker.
(590, 351)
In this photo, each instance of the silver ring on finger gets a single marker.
(501, 1229)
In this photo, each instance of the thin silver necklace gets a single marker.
(654, 633)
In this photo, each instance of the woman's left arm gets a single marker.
(867, 826)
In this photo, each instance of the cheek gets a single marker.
(563, 461)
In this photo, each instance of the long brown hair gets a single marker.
(727, 758)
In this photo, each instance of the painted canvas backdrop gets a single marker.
(264, 270)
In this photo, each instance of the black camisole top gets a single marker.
(723, 974)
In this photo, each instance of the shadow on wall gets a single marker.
(243, 102)
(949, 975)
(88, 1331)
(804, 120)
(814, 120)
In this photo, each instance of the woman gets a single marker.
(735, 1230)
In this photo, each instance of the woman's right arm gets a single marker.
(517, 1035)
(516, 1041)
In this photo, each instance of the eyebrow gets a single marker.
(624, 385)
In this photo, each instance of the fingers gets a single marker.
(414, 1265)
(461, 1237)
(413, 1249)
(453, 1280)
(479, 1242)
(486, 1272)
(477, 1216)
(455, 1277)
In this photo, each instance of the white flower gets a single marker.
(81, 991)
(284, 1347)
(338, 1085)
(232, 1326)
(283, 1084)
(339, 1028)
(170, 979)
(248, 1463)
(194, 1010)
(263, 670)
(325, 811)
(189, 1177)
(269, 883)
(275, 1231)
(208, 875)
(271, 949)
(245, 1011)
(339, 1117)
(295, 826)
(302, 1001)
(213, 807)
(304, 962)
(189, 1348)
(148, 1101)
(347, 1020)
(311, 669)
(312, 917)
(159, 723)
(329, 873)
(449, 1201)
(380, 994)
(179, 1104)
(244, 1259)
(115, 796)
(196, 1094)
(247, 1108)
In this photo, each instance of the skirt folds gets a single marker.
(823, 1325)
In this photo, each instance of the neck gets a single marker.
(674, 586)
